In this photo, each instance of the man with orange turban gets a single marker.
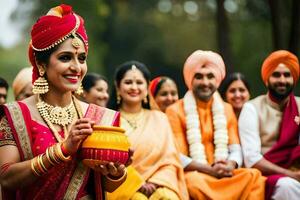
(205, 129)
(269, 127)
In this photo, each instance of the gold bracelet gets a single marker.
(39, 166)
(48, 157)
(32, 163)
(59, 153)
(117, 180)
(41, 162)
(53, 155)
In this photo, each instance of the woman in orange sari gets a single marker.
(41, 135)
(156, 172)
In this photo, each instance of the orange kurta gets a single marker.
(202, 186)
(155, 156)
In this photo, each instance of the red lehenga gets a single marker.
(71, 180)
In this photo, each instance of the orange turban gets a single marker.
(200, 59)
(22, 79)
(276, 58)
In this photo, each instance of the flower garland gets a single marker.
(196, 148)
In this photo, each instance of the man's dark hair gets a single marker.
(3, 83)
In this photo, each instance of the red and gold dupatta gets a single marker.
(65, 181)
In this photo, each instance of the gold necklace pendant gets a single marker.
(133, 119)
(62, 116)
(41, 105)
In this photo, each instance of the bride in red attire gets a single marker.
(41, 135)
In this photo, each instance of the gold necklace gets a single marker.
(61, 116)
(77, 110)
(133, 119)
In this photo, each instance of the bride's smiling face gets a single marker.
(66, 67)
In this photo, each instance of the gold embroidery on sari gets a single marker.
(76, 182)
(19, 124)
(6, 133)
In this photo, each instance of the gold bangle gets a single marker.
(53, 155)
(117, 180)
(32, 163)
(48, 157)
(39, 166)
(59, 153)
(41, 162)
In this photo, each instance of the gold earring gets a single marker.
(145, 100)
(79, 90)
(118, 99)
(40, 85)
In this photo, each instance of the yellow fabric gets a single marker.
(164, 194)
(161, 193)
(139, 196)
(202, 186)
(155, 156)
(132, 184)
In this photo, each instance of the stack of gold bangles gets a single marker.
(54, 156)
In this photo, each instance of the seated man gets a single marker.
(205, 129)
(269, 127)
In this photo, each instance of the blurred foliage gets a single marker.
(162, 33)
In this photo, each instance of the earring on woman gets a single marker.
(145, 100)
(40, 85)
(79, 90)
(118, 99)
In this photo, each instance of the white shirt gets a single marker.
(249, 135)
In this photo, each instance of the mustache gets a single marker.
(282, 84)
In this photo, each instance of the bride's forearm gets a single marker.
(16, 175)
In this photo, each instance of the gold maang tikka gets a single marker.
(75, 41)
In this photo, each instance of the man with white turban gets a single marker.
(205, 129)
(269, 127)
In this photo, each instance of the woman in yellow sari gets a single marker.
(156, 172)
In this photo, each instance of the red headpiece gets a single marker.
(153, 85)
(52, 29)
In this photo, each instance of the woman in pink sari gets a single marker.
(41, 135)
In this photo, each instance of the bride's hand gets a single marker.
(112, 170)
(77, 134)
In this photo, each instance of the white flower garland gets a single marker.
(196, 148)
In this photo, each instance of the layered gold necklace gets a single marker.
(133, 119)
(62, 116)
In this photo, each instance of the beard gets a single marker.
(204, 94)
(280, 95)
